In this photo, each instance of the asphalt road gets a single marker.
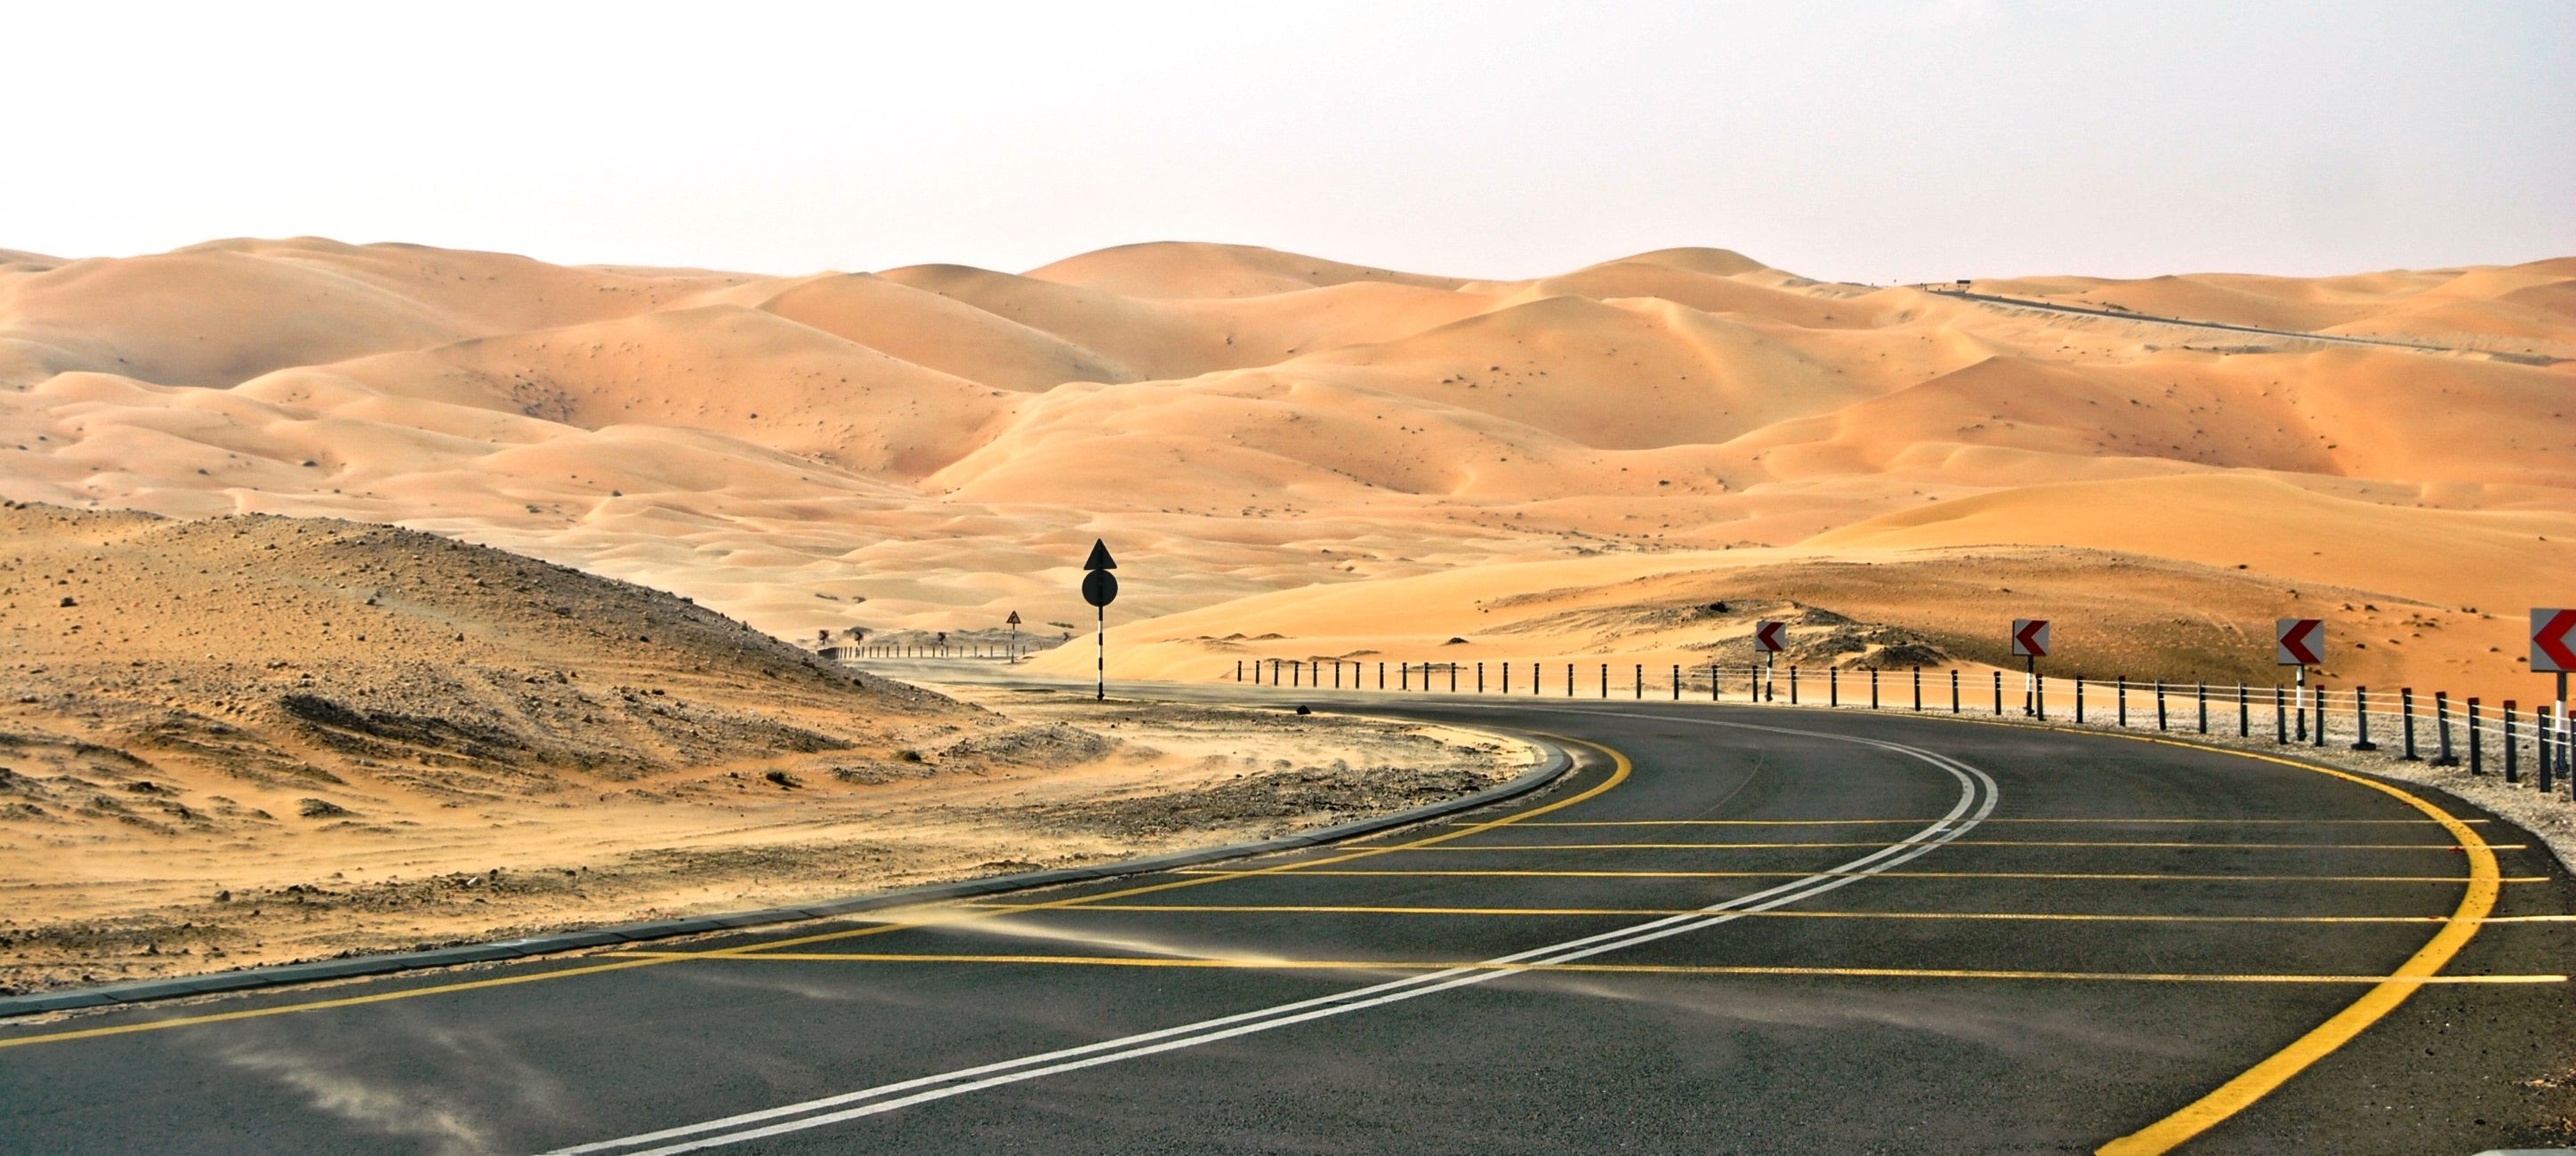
(1728, 930)
(2222, 326)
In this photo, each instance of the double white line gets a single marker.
(1976, 802)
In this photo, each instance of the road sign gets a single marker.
(1014, 619)
(2553, 640)
(1766, 635)
(1100, 588)
(2298, 641)
(2030, 637)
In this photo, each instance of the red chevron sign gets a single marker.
(1767, 636)
(2298, 641)
(2552, 632)
(2030, 637)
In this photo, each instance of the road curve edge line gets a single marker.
(2263, 1078)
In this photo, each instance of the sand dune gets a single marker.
(226, 311)
(937, 333)
(1175, 269)
(2479, 553)
(1263, 434)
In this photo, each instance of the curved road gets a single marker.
(1728, 929)
(2220, 326)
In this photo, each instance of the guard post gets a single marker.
(2512, 748)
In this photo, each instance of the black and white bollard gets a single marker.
(2512, 747)
(2540, 736)
(2360, 716)
(2442, 729)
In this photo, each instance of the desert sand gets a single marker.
(246, 740)
(1360, 459)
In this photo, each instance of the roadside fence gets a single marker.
(2508, 739)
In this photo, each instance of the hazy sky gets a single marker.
(1876, 142)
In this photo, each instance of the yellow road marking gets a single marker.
(2476, 902)
(319, 1005)
(2060, 875)
(1620, 768)
(1611, 968)
(2021, 819)
(1792, 913)
(2185, 845)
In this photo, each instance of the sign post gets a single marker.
(1100, 588)
(1014, 656)
(2030, 641)
(2299, 642)
(1766, 634)
(2553, 651)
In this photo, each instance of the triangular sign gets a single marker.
(1100, 559)
(1015, 618)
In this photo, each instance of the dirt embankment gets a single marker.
(250, 740)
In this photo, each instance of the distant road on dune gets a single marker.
(1726, 928)
(2128, 315)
